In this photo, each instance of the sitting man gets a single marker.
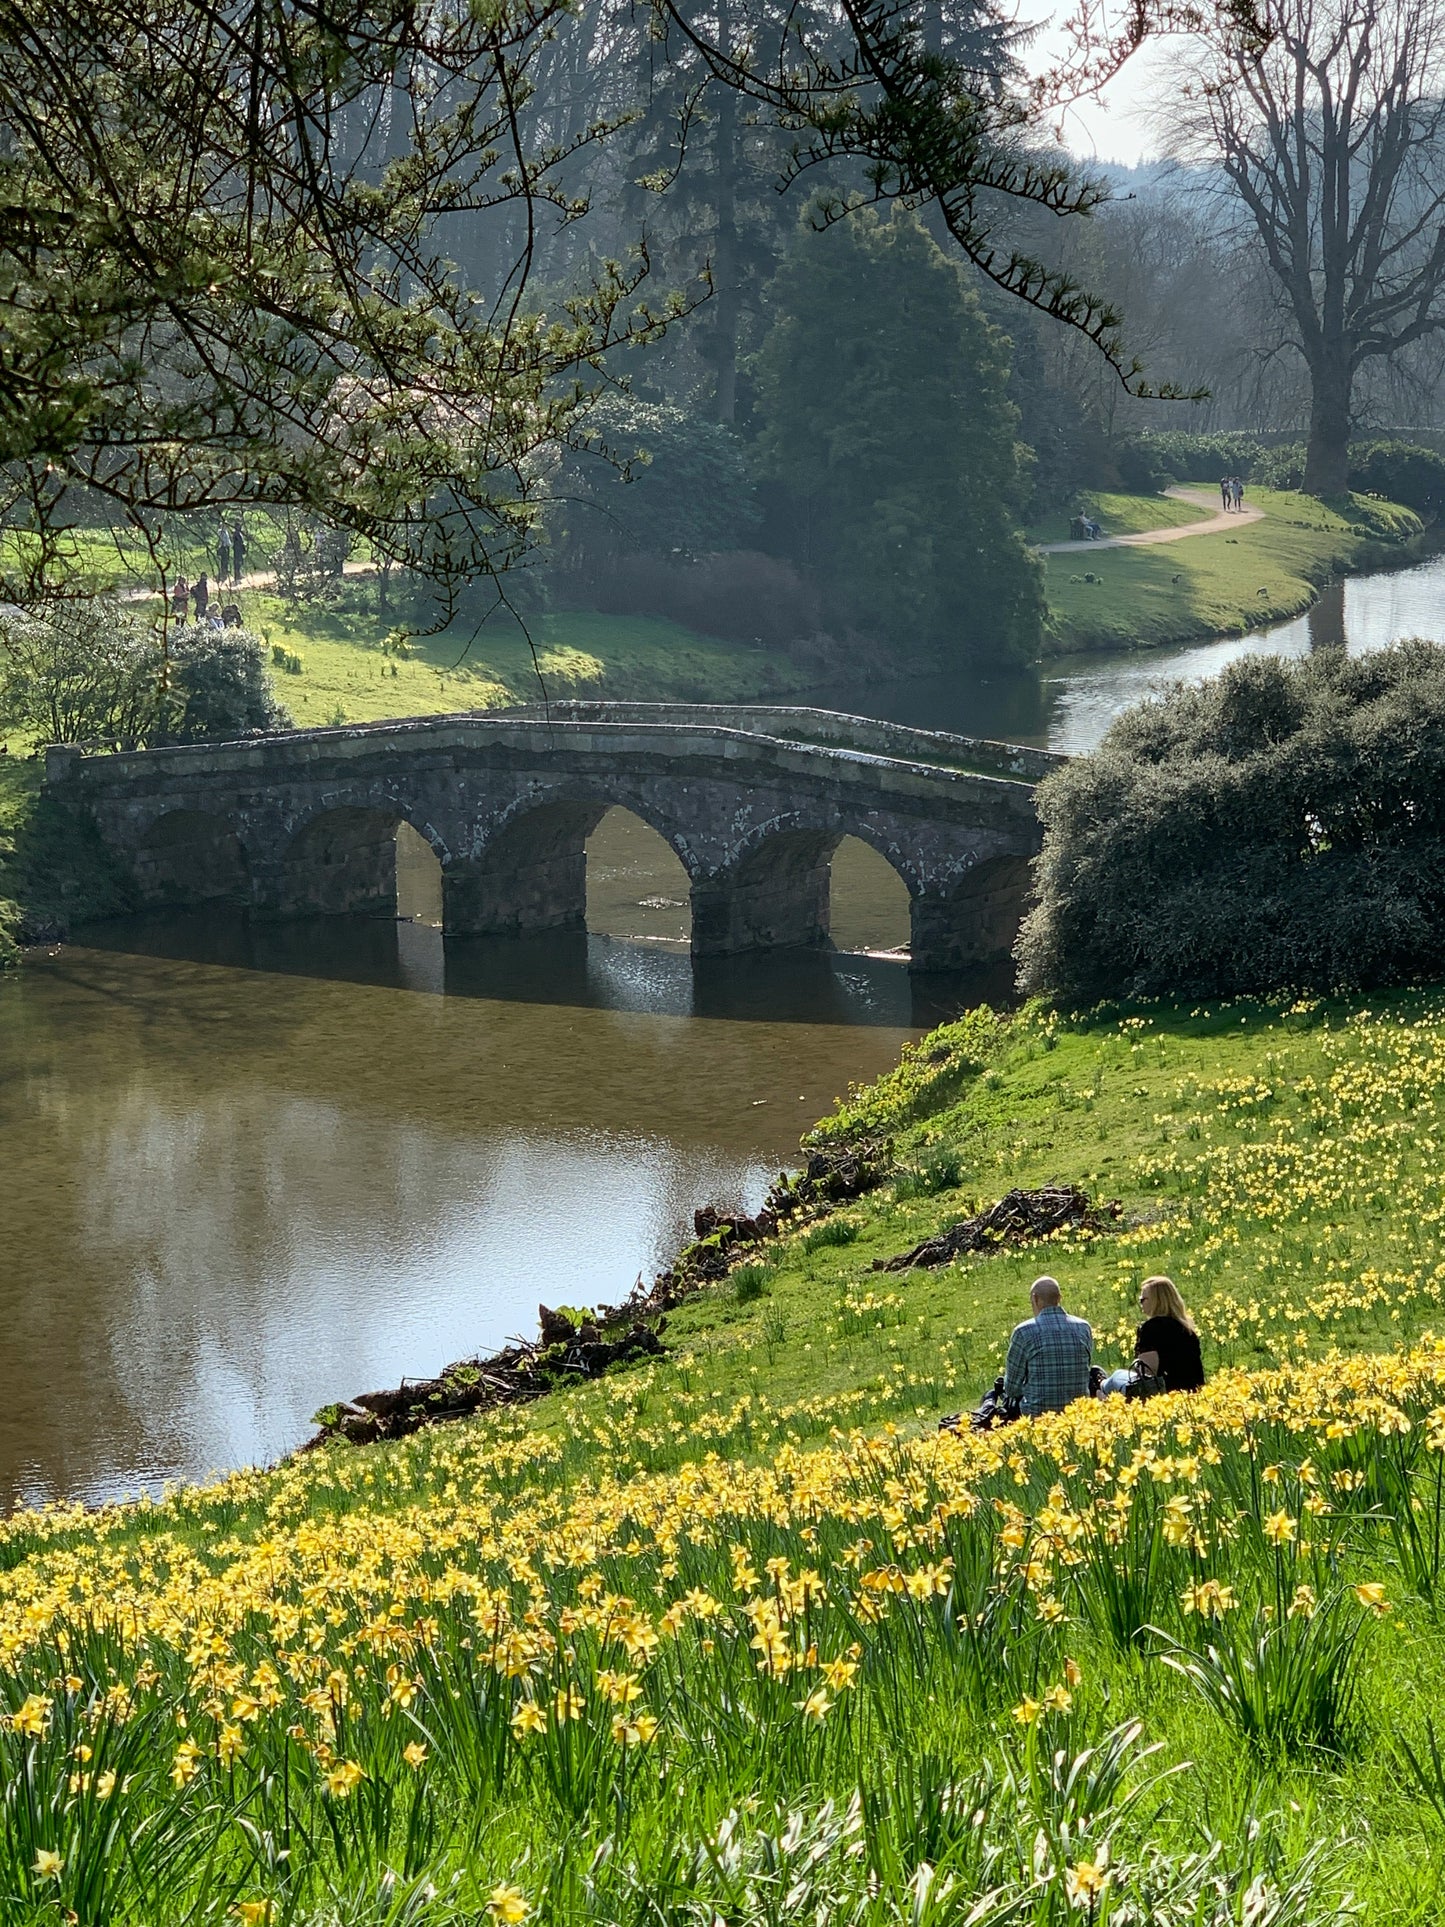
(1049, 1355)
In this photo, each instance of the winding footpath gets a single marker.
(1216, 524)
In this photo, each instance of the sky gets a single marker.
(1116, 126)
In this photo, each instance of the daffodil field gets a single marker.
(739, 1637)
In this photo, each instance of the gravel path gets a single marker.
(1216, 524)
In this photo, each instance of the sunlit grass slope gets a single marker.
(345, 675)
(1219, 584)
(738, 1636)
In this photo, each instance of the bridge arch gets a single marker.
(341, 858)
(870, 902)
(638, 888)
(527, 869)
(974, 917)
(188, 857)
(777, 890)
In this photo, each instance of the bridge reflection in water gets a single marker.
(633, 955)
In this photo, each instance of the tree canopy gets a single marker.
(882, 389)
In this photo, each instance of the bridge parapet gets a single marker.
(753, 802)
(800, 724)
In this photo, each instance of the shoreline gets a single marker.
(1152, 576)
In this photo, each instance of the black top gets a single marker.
(1178, 1349)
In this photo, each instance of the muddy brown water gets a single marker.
(245, 1170)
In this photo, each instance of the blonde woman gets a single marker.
(1166, 1343)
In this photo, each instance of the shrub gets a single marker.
(1178, 456)
(739, 594)
(85, 672)
(1401, 472)
(653, 479)
(1281, 826)
(89, 671)
(220, 685)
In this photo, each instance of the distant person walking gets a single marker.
(201, 597)
(180, 596)
(1224, 492)
(1049, 1355)
(238, 549)
(223, 555)
(1236, 489)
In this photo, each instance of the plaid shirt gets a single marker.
(1048, 1361)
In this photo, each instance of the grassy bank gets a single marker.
(346, 674)
(737, 1625)
(1209, 585)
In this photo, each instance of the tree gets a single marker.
(892, 108)
(224, 276)
(1328, 120)
(88, 671)
(662, 481)
(881, 393)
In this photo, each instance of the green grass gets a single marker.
(1219, 584)
(1119, 514)
(995, 1615)
(347, 676)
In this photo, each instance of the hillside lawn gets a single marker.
(346, 675)
(1279, 1160)
(1220, 584)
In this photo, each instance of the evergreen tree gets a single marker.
(887, 426)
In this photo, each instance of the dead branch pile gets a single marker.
(831, 1176)
(1023, 1217)
(565, 1354)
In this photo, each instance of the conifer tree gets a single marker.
(882, 388)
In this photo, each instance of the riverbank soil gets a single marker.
(726, 1587)
(1221, 584)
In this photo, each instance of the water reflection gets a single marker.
(568, 968)
(1068, 704)
(250, 1170)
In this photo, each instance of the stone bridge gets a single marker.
(753, 801)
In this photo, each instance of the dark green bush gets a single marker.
(1282, 826)
(1401, 472)
(1280, 467)
(1178, 456)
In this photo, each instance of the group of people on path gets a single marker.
(1231, 493)
(1050, 1359)
(231, 564)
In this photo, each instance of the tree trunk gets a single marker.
(726, 268)
(1327, 458)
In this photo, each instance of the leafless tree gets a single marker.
(1328, 128)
